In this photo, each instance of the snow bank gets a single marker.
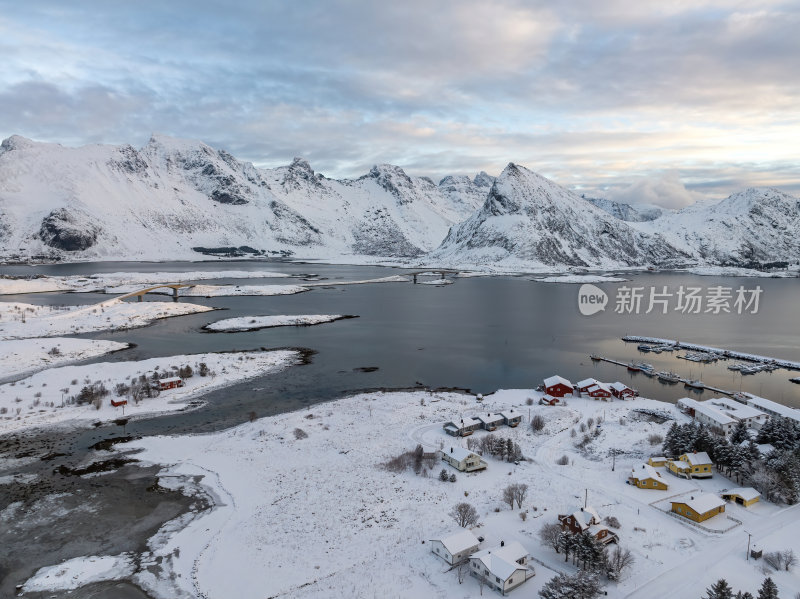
(23, 321)
(218, 290)
(43, 399)
(100, 281)
(77, 572)
(581, 279)
(29, 355)
(254, 323)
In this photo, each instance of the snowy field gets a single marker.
(101, 281)
(24, 321)
(43, 399)
(29, 355)
(254, 323)
(305, 508)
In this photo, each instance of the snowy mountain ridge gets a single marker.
(182, 199)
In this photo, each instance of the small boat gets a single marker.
(643, 347)
(669, 377)
(634, 366)
(595, 357)
(695, 384)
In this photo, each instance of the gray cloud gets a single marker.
(592, 94)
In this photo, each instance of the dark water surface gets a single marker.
(480, 333)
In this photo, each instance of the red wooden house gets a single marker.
(557, 386)
(622, 391)
(584, 385)
(170, 383)
(599, 391)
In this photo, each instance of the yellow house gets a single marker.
(699, 508)
(657, 461)
(646, 477)
(692, 465)
(745, 496)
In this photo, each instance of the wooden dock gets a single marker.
(597, 358)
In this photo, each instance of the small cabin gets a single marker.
(699, 508)
(462, 428)
(657, 461)
(549, 400)
(646, 477)
(622, 391)
(463, 460)
(745, 496)
(455, 548)
(511, 418)
(170, 383)
(599, 391)
(490, 422)
(557, 386)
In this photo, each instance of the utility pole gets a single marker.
(585, 498)
(747, 557)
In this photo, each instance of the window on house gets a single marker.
(497, 578)
(510, 580)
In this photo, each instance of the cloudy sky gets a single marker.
(663, 102)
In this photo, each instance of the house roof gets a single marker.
(502, 561)
(735, 409)
(461, 423)
(598, 386)
(490, 418)
(680, 464)
(459, 453)
(508, 415)
(698, 458)
(172, 379)
(458, 542)
(620, 386)
(585, 516)
(554, 380)
(746, 493)
(596, 528)
(645, 472)
(658, 458)
(702, 503)
(586, 383)
(771, 406)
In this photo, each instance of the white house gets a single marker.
(772, 408)
(455, 548)
(463, 459)
(707, 414)
(503, 567)
(490, 421)
(751, 416)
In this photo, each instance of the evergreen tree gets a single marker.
(719, 590)
(739, 433)
(768, 590)
(745, 595)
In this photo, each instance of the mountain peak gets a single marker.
(483, 179)
(16, 142)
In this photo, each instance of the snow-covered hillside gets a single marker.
(527, 219)
(160, 202)
(180, 200)
(754, 225)
(622, 211)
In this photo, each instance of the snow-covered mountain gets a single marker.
(754, 225)
(528, 219)
(177, 199)
(626, 212)
(104, 202)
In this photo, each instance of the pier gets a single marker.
(597, 358)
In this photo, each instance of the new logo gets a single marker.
(591, 299)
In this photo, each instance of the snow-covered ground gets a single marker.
(581, 279)
(22, 356)
(23, 321)
(43, 398)
(253, 323)
(135, 280)
(75, 573)
(730, 271)
(305, 508)
(218, 290)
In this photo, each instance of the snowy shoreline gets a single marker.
(59, 396)
(256, 323)
(25, 356)
(305, 514)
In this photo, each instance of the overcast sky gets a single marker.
(663, 102)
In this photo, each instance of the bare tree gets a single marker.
(620, 560)
(550, 534)
(508, 496)
(537, 422)
(520, 493)
(462, 570)
(299, 433)
(465, 515)
(789, 559)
